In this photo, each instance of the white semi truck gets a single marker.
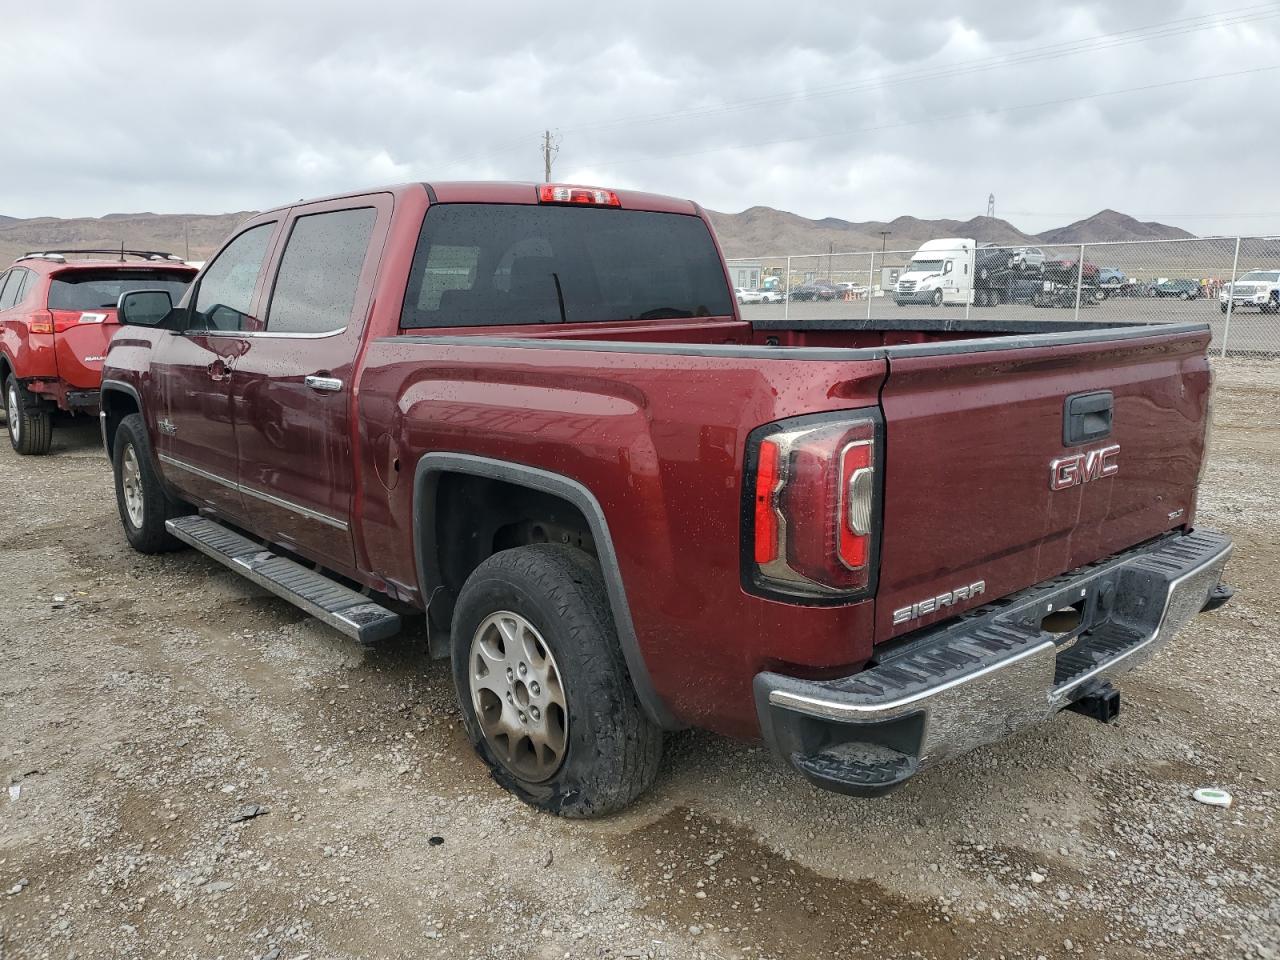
(959, 270)
(941, 271)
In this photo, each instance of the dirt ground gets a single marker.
(142, 714)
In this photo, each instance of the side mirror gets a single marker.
(144, 308)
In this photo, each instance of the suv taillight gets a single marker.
(811, 522)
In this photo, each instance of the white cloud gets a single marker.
(861, 111)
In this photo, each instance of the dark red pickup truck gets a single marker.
(534, 412)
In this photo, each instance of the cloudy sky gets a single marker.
(845, 109)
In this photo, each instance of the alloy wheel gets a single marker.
(15, 426)
(131, 485)
(518, 696)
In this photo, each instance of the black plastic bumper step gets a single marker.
(864, 769)
(342, 608)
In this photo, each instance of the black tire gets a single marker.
(612, 750)
(147, 533)
(993, 298)
(1184, 295)
(30, 424)
(937, 298)
(1153, 293)
(1222, 307)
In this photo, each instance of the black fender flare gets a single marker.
(432, 465)
(113, 386)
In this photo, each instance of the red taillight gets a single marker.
(814, 486)
(565, 193)
(766, 507)
(64, 320)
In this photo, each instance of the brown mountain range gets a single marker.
(756, 231)
(763, 231)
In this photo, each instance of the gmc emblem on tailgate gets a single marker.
(1082, 467)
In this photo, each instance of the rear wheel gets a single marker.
(545, 695)
(140, 496)
(30, 426)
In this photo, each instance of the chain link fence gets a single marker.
(1233, 283)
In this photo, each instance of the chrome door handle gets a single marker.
(324, 384)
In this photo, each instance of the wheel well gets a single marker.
(4, 371)
(474, 517)
(116, 405)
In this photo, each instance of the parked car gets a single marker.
(536, 414)
(1026, 258)
(848, 288)
(1257, 288)
(1113, 282)
(1066, 271)
(56, 316)
(816, 290)
(745, 295)
(1182, 289)
(771, 295)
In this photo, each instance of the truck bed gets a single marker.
(655, 416)
(853, 333)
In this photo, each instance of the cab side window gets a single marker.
(315, 288)
(226, 290)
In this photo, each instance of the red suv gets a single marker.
(56, 319)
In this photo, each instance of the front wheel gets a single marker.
(30, 426)
(545, 695)
(140, 496)
(937, 298)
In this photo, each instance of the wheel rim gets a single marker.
(131, 486)
(15, 428)
(518, 696)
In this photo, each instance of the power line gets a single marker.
(1156, 31)
(941, 118)
(1159, 30)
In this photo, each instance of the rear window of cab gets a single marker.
(482, 264)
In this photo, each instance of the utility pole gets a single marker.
(186, 239)
(550, 147)
(991, 205)
(884, 234)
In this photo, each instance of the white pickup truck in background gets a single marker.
(1257, 288)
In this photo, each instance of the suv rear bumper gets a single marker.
(990, 672)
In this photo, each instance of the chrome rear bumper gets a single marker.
(992, 671)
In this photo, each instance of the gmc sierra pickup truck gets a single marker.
(535, 413)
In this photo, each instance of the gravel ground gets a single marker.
(196, 770)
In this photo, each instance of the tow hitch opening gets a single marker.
(1099, 700)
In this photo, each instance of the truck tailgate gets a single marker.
(971, 443)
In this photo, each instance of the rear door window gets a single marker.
(86, 289)
(226, 289)
(482, 264)
(10, 281)
(315, 288)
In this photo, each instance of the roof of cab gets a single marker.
(504, 191)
